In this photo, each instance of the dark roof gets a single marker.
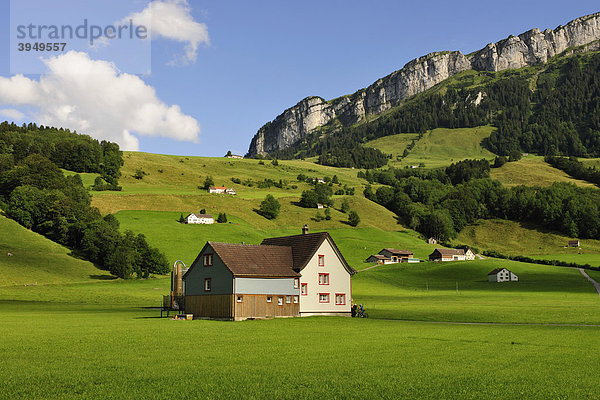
(304, 246)
(495, 271)
(396, 251)
(255, 260)
(379, 257)
(450, 252)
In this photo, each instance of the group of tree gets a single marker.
(575, 168)
(320, 194)
(35, 193)
(66, 149)
(431, 204)
(269, 207)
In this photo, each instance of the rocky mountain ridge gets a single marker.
(529, 48)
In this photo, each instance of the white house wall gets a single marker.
(339, 283)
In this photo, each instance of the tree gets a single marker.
(222, 218)
(228, 153)
(139, 174)
(345, 207)
(208, 182)
(353, 218)
(335, 180)
(181, 219)
(270, 207)
(203, 211)
(309, 199)
(275, 162)
(327, 214)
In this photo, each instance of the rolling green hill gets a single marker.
(533, 171)
(438, 148)
(36, 260)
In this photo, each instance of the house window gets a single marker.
(269, 299)
(321, 260)
(323, 279)
(208, 260)
(304, 289)
(207, 284)
(296, 299)
(296, 283)
(239, 299)
(323, 297)
(288, 299)
(280, 301)
(340, 299)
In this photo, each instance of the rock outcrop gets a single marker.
(529, 48)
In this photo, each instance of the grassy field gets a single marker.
(438, 148)
(87, 178)
(533, 171)
(37, 260)
(184, 242)
(96, 340)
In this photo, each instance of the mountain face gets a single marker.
(529, 48)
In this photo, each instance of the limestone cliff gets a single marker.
(529, 48)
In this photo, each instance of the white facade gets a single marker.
(469, 255)
(221, 190)
(325, 286)
(503, 275)
(200, 219)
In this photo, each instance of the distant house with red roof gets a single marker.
(221, 190)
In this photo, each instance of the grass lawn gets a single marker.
(125, 353)
(87, 178)
(526, 239)
(533, 171)
(393, 144)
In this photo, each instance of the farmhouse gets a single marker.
(452, 255)
(502, 275)
(221, 190)
(573, 243)
(199, 219)
(396, 255)
(289, 276)
(379, 259)
(235, 156)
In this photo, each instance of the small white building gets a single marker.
(432, 240)
(221, 190)
(235, 156)
(502, 275)
(199, 219)
(320, 206)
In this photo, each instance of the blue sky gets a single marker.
(265, 56)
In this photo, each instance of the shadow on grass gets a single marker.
(103, 277)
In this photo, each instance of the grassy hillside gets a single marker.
(438, 148)
(528, 240)
(37, 260)
(533, 171)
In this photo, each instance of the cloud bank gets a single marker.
(93, 97)
(172, 19)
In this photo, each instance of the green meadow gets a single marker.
(438, 148)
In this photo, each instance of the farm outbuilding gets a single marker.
(502, 275)
(573, 243)
(397, 255)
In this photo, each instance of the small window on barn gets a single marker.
(269, 299)
(323, 297)
(296, 299)
(207, 284)
(288, 299)
(321, 260)
(280, 301)
(304, 289)
(208, 260)
(323, 279)
(296, 283)
(239, 299)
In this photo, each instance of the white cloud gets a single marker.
(93, 97)
(12, 114)
(172, 19)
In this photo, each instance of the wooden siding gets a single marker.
(256, 306)
(210, 306)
